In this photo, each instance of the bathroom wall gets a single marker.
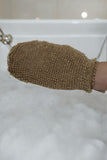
(52, 9)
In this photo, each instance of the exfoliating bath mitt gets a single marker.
(52, 65)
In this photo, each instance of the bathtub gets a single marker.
(47, 124)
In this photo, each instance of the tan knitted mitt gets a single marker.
(52, 65)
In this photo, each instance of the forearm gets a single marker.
(101, 77)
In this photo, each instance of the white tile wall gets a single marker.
(52, 9)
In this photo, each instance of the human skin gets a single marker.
(101, 77)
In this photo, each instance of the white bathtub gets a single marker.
(85, 35)
(46, 124)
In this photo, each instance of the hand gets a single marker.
(101, 77)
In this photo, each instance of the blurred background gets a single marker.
(53, 9)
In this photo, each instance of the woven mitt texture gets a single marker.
(52, 65)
